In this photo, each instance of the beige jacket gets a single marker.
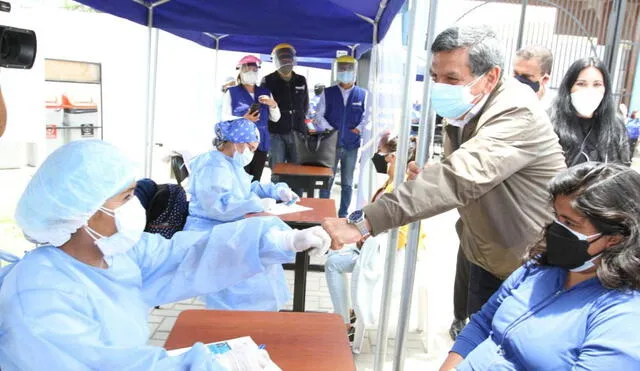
(495, 172)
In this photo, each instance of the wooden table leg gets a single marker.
(300, 281)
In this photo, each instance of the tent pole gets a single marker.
(215, 71)
(422, 153)
(216, 39)
(152, 70)
(401, 164)
(373, 93)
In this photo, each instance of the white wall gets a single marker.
(186, 97)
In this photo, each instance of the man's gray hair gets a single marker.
(542, 54)
(484, 49)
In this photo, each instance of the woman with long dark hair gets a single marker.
(575, 303)
(584, 116)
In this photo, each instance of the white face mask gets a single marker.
(243, 158)
(249, 77)
(130, 220)
(586, 101)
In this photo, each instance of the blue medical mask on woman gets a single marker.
(452, 101)
(346, 77)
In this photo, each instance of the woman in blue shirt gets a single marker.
(575, 304)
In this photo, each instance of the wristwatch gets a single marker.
(357, 219)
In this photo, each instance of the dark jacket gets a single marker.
(293, 99)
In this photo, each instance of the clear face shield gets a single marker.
(345, 72)
(284, 59)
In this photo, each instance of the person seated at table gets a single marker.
(221, 191)
(575, 303)
(81, 300)
(344, 260)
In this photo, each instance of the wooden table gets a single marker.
(295, 341)
(308, 178)
(322, 208)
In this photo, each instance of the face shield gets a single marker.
(346, 69)
(284, 59)
(249, 74)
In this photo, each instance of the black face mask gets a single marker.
(535, 85)
(565, 249)
(380, 163)
(285, 70)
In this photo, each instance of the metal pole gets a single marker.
(523, 14)
(152, 70)
(215, 63)
(373, 95)
(216, 40)
(401, 159)
(613, 39)
(425, 132)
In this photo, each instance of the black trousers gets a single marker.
(482, 285)
(472, 288)
(461, 286)
(256, 166)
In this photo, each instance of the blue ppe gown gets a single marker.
(57, 313)
(221, 191)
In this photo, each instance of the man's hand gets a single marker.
(253, 117)
(341, 232)
(356, 131)
(413, 170)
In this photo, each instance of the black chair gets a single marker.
(178, 168)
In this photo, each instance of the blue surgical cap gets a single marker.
(69, 187)
(237, 131)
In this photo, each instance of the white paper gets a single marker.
(238, 344)
(245, 341)
(282, 208)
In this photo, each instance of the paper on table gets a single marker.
(242, 343)
(216, 348)
(282, 208)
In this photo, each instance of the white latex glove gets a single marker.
(268, 203)
(314, 239)
(288, 196)
(246, 360)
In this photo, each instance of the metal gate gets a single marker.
(572, 29)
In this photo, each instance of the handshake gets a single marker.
(314, 239)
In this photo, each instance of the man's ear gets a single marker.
(545, 79)
(493, 76)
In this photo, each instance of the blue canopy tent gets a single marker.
(316, 25)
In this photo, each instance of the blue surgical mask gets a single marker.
(346, 77)
(452, 101)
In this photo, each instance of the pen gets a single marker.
(262, 346)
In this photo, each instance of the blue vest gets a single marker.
(241, 101)
(342, 118)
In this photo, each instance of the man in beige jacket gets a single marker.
(500, 153)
